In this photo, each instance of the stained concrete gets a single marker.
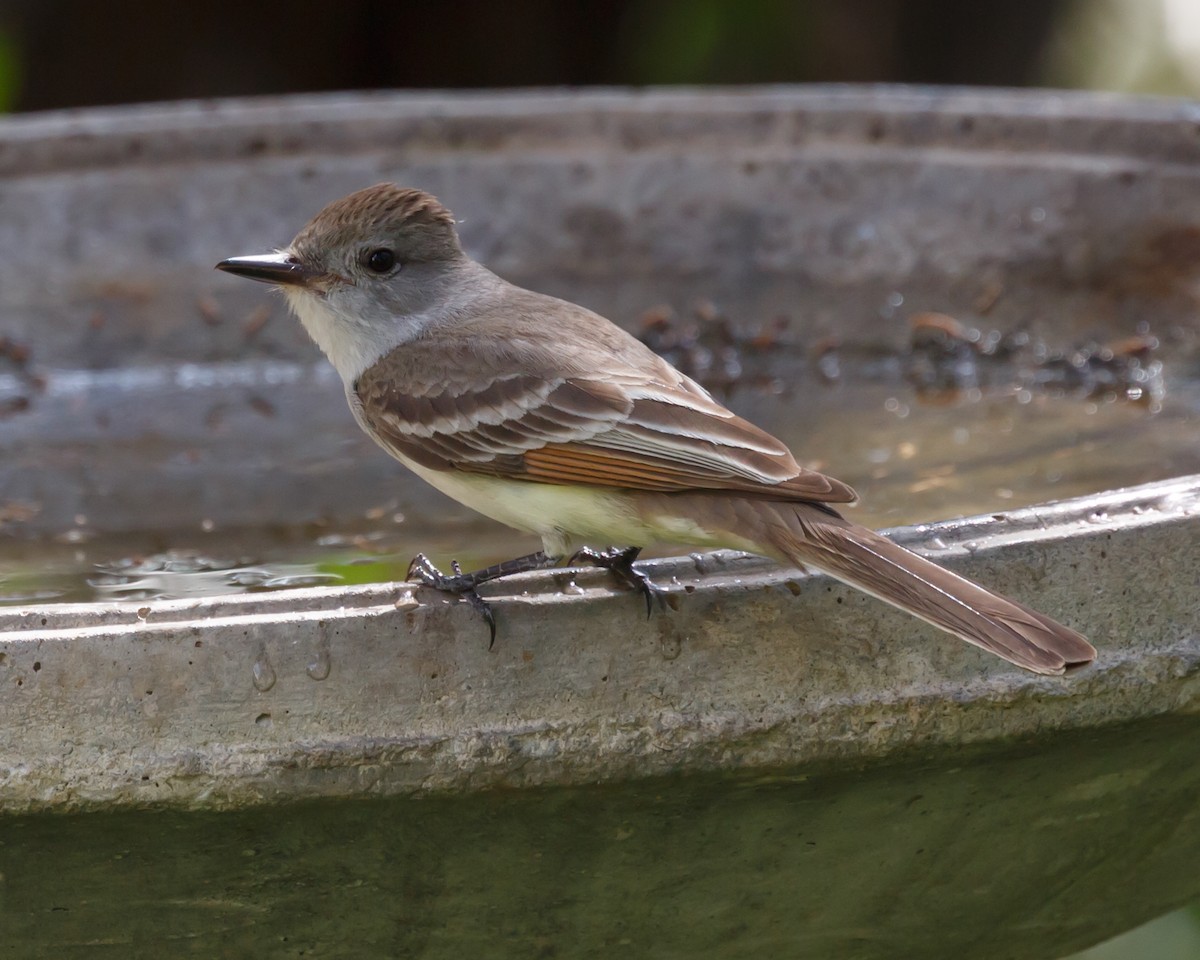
(358, 691)
(1027, 850)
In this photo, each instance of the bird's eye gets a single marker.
(380, 261)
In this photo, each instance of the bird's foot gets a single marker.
(620, 561)
(465, 584)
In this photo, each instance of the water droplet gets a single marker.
(298, 580)
(937, 543)
(406, 601)
(670, 646)
(1098, 516)
(1037, 214)
(264, 673)
(263, 720)
(318, 667)
(143, 613)
(247, 578)
(573, 588)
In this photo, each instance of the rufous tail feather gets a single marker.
(814, 536)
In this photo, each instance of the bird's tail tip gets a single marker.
(874, 564)
(1031, 640)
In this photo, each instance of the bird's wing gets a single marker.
(621, 429)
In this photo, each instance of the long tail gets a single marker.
(810, 536)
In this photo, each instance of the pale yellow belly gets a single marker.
(571, 516)
(561, 516)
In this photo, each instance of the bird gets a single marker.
(547, 417)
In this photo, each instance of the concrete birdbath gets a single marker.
(772, 765)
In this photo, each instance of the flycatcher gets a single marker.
(549, 418)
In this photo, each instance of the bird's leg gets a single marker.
(464, 584)
(620, 561)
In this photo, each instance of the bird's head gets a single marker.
(369, 272)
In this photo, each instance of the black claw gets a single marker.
(485, 610)
(620, 562)
(464, 584)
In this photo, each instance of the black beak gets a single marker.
(277, 268)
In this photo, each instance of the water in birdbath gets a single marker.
(961, 423)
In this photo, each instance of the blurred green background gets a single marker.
(74, 53)
(70, 53)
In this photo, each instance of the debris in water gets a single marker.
(948, 360)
